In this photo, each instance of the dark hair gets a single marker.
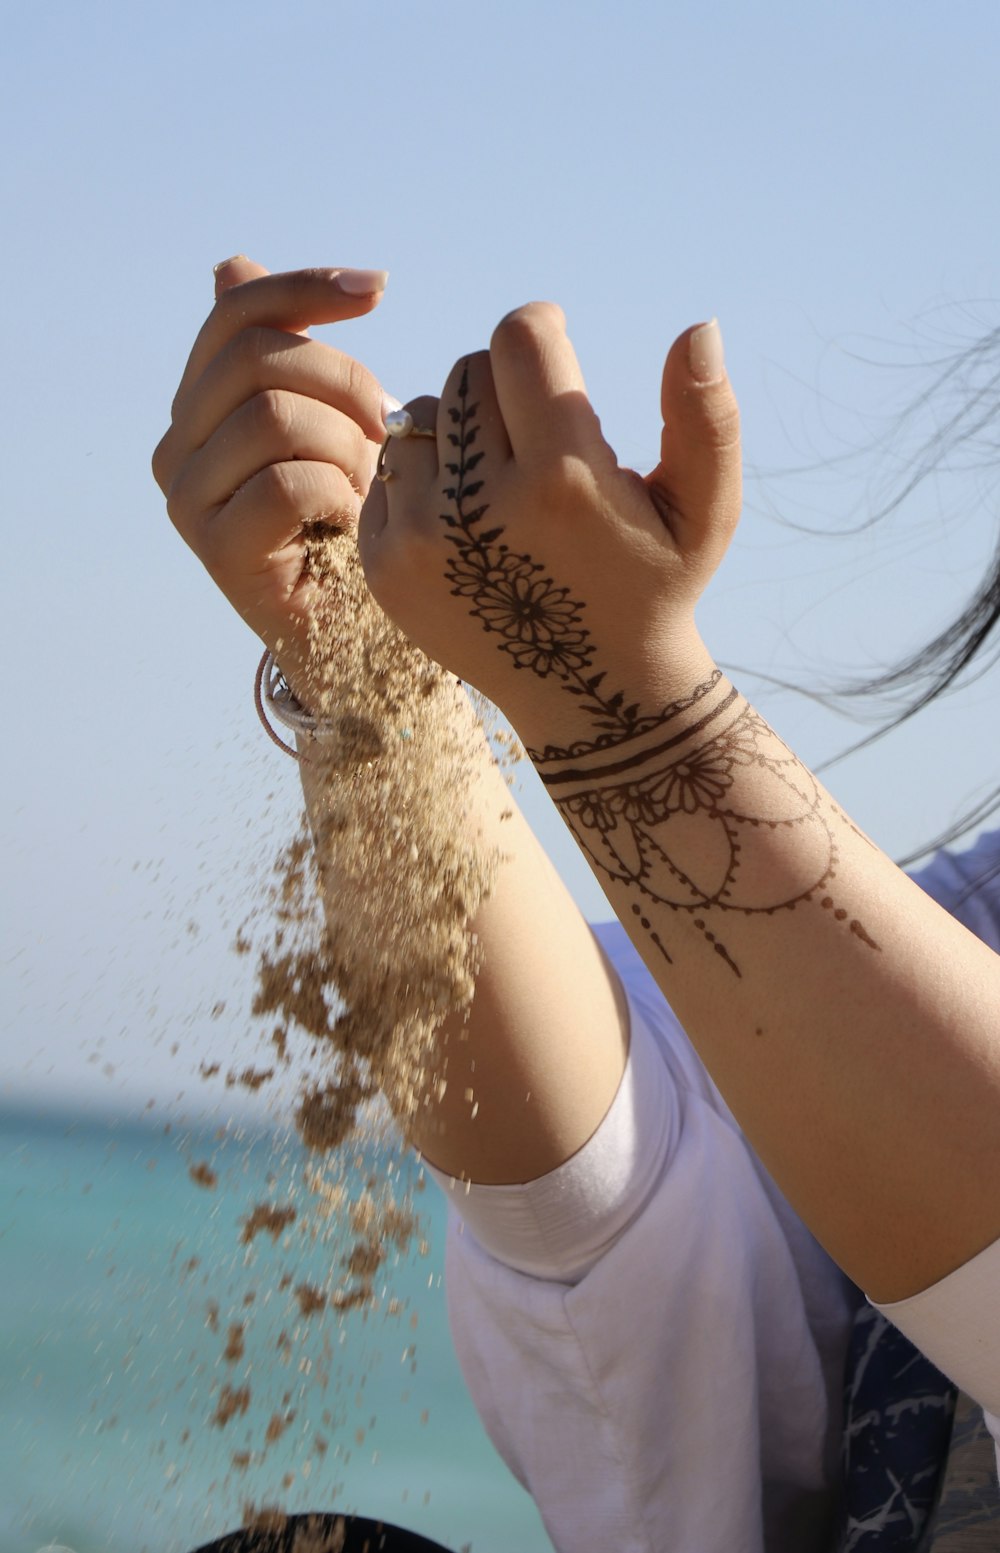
(964, 392)
(961, 397)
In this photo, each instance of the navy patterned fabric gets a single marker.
(897, 1425)
(967, 1519)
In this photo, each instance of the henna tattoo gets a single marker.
(663, 813)
(651, 797)
(539, 623)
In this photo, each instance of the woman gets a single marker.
(635, 1296)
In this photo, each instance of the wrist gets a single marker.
(606, 708)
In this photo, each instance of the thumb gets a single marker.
(234, 271)
(697, 484)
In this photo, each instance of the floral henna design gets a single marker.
(640, 792)
(538, 621)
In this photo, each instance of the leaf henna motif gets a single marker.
(649, 796)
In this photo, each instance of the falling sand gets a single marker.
(399, 877)
(363, 948)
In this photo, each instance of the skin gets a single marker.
(849, 1022)
(269, 432)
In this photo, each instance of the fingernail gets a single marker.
(231, 260)
(389, 404)
(361, 283)
(706, 358)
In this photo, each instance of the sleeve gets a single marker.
(636, 1323)
(956, 1322)
(560, 1225)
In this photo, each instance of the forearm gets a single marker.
(850, 1023)
(505, 1084)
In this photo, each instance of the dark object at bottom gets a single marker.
(315, 1533)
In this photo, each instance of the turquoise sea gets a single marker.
(121, 1281)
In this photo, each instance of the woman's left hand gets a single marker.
(516, 551)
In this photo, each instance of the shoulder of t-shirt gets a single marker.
(685, 1066)
(967, 884)
(632, 970)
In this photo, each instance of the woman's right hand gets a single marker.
(272, 433)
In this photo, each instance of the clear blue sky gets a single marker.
(820, 177)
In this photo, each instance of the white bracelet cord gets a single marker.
(282, 701)
(272, 690)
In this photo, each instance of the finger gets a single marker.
(539, 385)
(407, 468)
(413, 456)
(290, 302)
(427, 501)
(173, 446)
(472, 435)
(697, 483)
(267, 518)
(234, 271)
(272, 428)
(259, 359)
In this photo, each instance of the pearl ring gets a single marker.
(398, 423)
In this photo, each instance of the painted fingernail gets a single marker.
(706, 358)
(362, 283)
(231, 260)
(389, 405)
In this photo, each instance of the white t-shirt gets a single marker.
(654, 1341)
